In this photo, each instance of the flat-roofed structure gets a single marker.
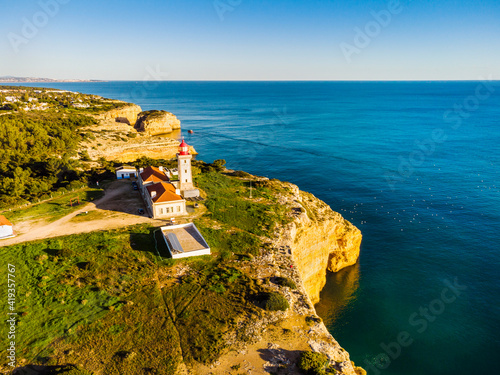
(184, 240)
(6, 228)
(125, 171)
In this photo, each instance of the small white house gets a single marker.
(125, 171)
(6, 228)
(184, 240)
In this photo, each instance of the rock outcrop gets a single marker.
(126, 114)
(157, 122)
(318, 239)
(321, 240)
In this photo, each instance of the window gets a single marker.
(185, 161)
(186, 180)
(186, 171)
(161, 211)
(178, 208)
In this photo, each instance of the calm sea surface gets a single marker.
(420, 178)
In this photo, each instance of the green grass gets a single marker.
(69, 286)
(97, 294)
(54, 208)
(229, 202)
(108, 300)
(206, 305)
(225, 241)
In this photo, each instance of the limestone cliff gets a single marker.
(157, 122)
(114, 139)
(321, 240)
(318, 239)
(126, 114)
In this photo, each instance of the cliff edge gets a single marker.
(126, 114)
(157, 122)
(320, 239)
(316, 239)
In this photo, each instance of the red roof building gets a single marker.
(154, 175)
(163, 200)
(163, 192)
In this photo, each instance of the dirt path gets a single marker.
(116, 213)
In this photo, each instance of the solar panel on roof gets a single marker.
(174, 242)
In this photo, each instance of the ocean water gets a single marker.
(415, 165)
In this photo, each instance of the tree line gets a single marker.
(38, 154)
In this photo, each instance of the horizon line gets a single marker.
(255, 80)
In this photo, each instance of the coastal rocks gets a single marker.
(126, 114)
(115, 140)
(157, 122)
(321, 240)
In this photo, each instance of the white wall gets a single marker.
(179, 208)
(6, 231)
(192, 253)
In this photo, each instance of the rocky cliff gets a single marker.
(318, 239)
(157, 122)
(126, 114)
(321, 240)
(114, 139)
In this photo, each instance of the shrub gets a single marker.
(219, 165)
(219, 288)
(359, 370)
(312, 362)
(241, 174)
(285, 281)
(273, 301)
(310, 320)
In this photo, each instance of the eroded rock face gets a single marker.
(157, 122)
(321, 240)
(127, 114)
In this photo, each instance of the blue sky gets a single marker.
(251, 39)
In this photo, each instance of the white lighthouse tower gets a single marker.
(185, 175)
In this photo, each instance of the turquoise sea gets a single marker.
(415, 165)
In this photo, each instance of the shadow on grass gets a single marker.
(150, 241)
(279, 361)
(46, 370)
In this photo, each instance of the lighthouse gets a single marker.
(184, 167)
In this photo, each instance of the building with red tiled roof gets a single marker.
(6, 228)
(152, 175)
(164, 200)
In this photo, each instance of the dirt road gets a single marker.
(116, 209)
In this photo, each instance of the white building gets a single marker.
(163, 200)
(161, 197)
(184, 240)
(125, 171)
(6, 228)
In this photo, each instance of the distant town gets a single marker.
(10, 79)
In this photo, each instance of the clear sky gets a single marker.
(251, 39)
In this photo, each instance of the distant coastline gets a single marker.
(10, 79)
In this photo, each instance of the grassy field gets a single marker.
(110, 302)
(229, 203)
(55, 208)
